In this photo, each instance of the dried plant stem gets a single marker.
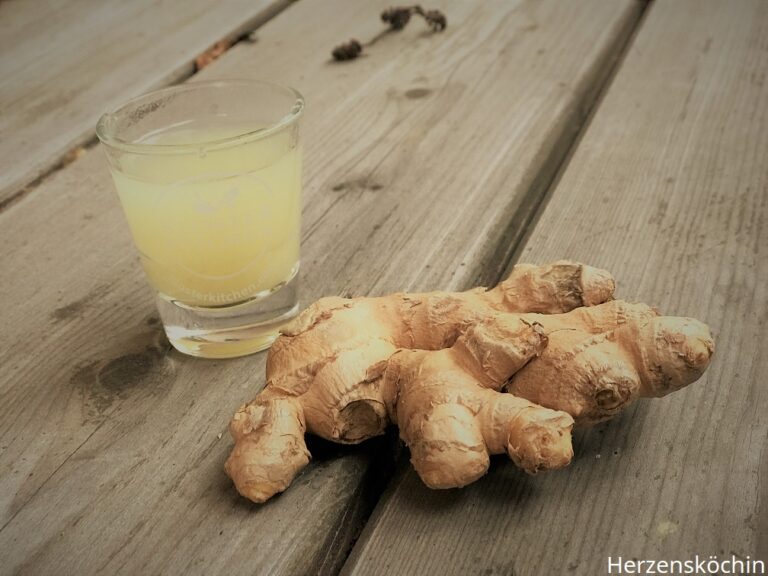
(397, 18)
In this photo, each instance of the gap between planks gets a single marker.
(535, 200)
(541, 201)
(241, 33)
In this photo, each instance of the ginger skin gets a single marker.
(463, 375)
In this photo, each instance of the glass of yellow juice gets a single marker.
(209, 177)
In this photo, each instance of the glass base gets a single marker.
(230, 331)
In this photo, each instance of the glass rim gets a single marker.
(110, 139)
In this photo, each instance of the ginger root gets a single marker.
(463, 375)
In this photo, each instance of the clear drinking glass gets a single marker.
(209, 176)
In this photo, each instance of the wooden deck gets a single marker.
(628, 135)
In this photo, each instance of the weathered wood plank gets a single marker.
(417, 156)
(64, 63)
(668, 189)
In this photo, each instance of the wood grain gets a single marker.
(668, 189)
(417, 157)
(65, 63)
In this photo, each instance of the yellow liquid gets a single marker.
(218, 226)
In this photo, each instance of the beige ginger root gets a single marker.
(437, 366)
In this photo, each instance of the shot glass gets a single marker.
(209, 177)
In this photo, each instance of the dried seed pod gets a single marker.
(347, 51)
(436, 20)
(397, 18)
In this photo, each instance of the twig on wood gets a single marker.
(397, 18)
